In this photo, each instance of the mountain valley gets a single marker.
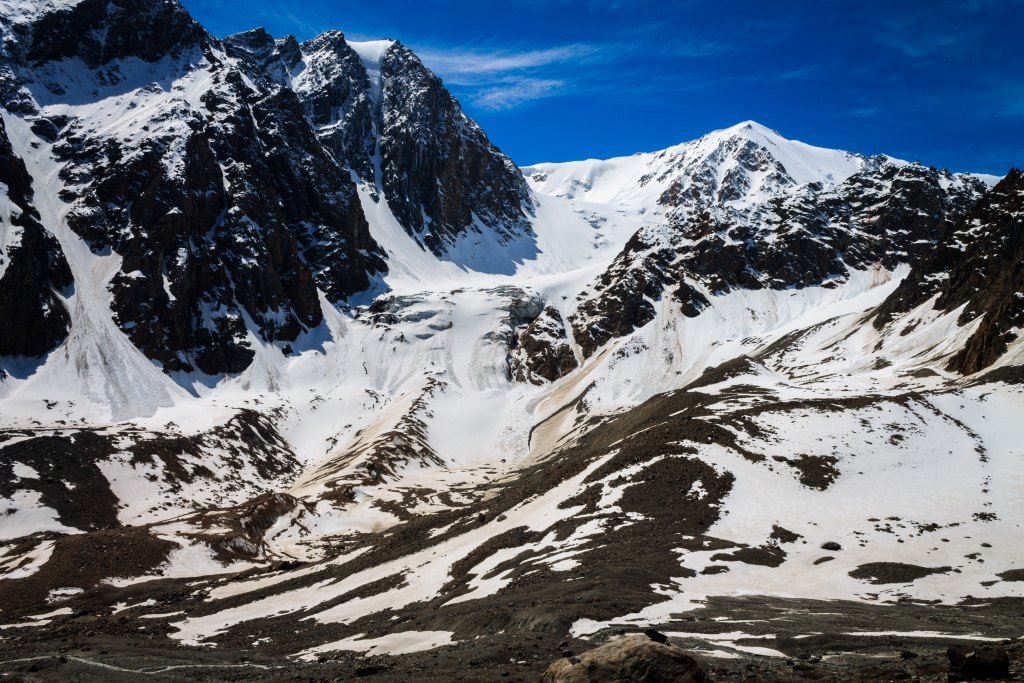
(301, 376)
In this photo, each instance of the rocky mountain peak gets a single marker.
(333, 40)
(102, 31)
(227, 214)
(290, 48)
(441, 174)
(752, 128)
(266, 59)
(256, 44)
(119, 43)
(336, 92)
(390, 119)
(732, 170)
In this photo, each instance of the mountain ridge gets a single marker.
(749, 124)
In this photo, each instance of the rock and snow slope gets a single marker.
(297, 332)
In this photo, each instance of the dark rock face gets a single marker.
(546, 354)
(226, 209)
(337, 94)
(885, 215)
(255, 220)
(100, 32)
(264, 59)
(393, 123)
(439, 169)
(33, 270)
(622, 296)
(978, 266)
(332, 84)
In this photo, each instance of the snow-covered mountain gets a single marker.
(744, 208)
(726, 169)
(293, 360)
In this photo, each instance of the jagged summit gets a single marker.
(748, 160)
(802, 162)
(226, 213)
(221, 172)
(389, 119)
(99, 32)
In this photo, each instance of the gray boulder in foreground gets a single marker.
(629, 658)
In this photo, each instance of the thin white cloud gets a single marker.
(503, 79)
(459, 62)
(865, 112)
(512, 95)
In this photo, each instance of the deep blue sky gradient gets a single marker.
(939, 81)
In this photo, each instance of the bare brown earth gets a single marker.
(82, 561)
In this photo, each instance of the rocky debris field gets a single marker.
(725, 640)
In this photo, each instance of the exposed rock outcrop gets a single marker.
(387, 117)
(544, 353)
(629, 658)
(225, 208)
(978, 266)
(718, 239)
(441, 174)
(33, 270)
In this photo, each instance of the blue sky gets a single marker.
(937, 81)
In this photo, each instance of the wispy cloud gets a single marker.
(501, 79)
(472, 66)
(865, 112)
(918, 35)
(514, 94)
(506, 78)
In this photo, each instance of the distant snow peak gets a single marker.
(743, 207)
(741, 165)
(803, 163)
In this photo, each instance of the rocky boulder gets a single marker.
(629, 658)
(968, 663)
